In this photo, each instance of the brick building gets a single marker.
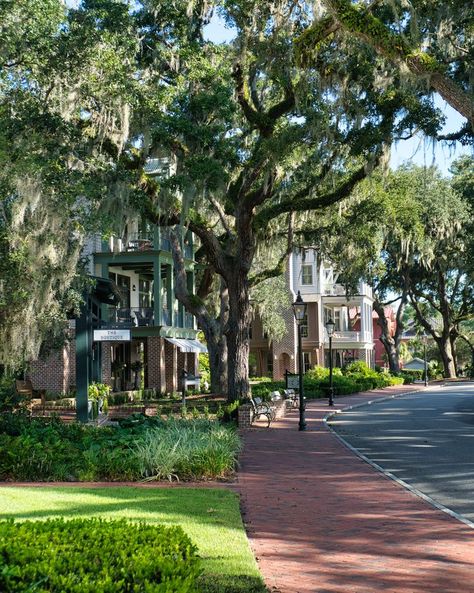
(325, 299)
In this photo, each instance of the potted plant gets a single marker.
(137, 367)
(98, 404)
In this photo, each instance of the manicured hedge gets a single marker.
(352, 379)
(95, 556)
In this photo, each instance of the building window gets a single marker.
(123, 284)
(307, 274)
(304, 326)
(306, 361)
(270, 363)
(144, 293)
(335, 315)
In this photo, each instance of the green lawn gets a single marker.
(210, 517)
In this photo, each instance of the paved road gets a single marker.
(426, 439)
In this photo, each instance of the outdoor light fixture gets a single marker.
(299, 311)
(330, 326)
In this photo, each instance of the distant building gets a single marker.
(415, 364)
(379, 349)
(326, 298)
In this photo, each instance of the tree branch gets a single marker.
(302, 203)
(279, 268)
(392, 46)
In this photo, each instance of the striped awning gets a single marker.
(188, 345)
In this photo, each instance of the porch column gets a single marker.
(157, 291)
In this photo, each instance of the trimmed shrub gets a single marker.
(96, 556)
(356, 377)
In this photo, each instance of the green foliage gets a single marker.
(120, 557)
(9, 398)
(318, 372)
(98, 391)
(204, 371)
(209, 516)
(354, 378)
(270, 299)
(196, 449)
(47, 449)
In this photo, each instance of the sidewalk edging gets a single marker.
(380, 469)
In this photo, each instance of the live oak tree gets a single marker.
(413, 244)
(256, 142)
(431, 43)
(254, 138)
(65, 87)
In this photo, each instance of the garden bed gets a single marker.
(138, 448)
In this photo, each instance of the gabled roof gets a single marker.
(416, 364)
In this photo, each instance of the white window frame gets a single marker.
(306, 361)
(305, 268)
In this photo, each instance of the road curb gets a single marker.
(380, 469)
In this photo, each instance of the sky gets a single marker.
(419, 150)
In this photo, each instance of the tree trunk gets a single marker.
(444, 346)
(452, 338)
(392, 342)
(217, 349)
(237, 333)
(212, 327)
(388, 341)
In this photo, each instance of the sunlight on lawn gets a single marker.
(210, 517)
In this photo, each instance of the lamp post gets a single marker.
(424, 356)
(330, 325)
(299, 311)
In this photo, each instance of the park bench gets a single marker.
(25, 388)
(261, 408)
(291, 396)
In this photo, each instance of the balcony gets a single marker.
(140, 242)
(131, 317)
(363, 289)
(349, 336)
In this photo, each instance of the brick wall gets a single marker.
(171, 364)
(57, 371)
(106, 360)
(49, 373)
(155, 360)
(287, 345)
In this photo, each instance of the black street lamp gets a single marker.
(330, 326)
(424, 356)
(299, 311)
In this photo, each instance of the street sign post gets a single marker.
(292, 380)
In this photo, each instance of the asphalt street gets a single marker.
(426, 439)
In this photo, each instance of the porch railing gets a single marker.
(349, 336)
(129, 317)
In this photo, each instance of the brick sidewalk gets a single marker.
(320, 520)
